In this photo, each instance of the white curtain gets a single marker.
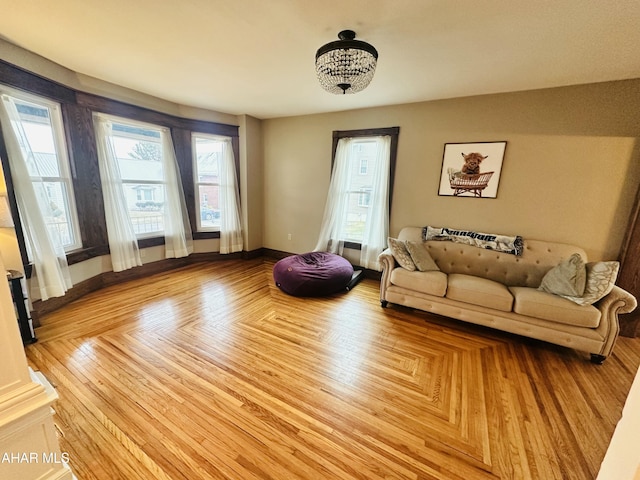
(376, 228)
(123, 243)
(45, 247)
(178, 240)
(337, 204)
(230, 225)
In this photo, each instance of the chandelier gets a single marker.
(346, 65)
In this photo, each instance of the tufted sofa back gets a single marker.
(526, 270)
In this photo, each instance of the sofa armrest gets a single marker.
(387, 263)
(617, 301)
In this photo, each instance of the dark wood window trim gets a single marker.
(18, 77)
(393, 132)
(77, 110)
(115, 107)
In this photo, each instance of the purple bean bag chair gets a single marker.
(312, 274)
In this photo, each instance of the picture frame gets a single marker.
(471, 169)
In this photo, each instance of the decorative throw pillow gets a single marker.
(569, 277)
(421, 256)
(601, 277)
(399, 251)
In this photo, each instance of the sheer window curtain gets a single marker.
(230, 225)
(337, 204)
(45, 248)
(123, 243)
(178, 239)
(376, 228)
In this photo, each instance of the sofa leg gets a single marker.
(384, 303)
(597, 359)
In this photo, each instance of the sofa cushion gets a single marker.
(567, 278)
(421, 256)
(535, 303)
(479, 291)
(431, 283)
(400, 253)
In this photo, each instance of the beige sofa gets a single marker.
(500, 290)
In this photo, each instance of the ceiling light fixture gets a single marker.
(346, 65)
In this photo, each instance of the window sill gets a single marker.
(82, 254)
(206, 235)
(150, 242)
(352, 245)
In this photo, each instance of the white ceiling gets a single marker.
(256, 57)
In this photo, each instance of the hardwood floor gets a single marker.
(211, 372)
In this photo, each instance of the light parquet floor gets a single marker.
(211, 372)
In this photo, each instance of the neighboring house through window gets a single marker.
(207, 155)
(365, 197)
(138, 152)
(364, 165)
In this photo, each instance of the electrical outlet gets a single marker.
(289, 236)
(143, 253)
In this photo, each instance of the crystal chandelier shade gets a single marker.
(346, 65)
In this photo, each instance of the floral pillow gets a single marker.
(601, 277)
(399, 251)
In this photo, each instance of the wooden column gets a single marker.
(629, 276)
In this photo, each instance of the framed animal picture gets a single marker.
(471, 169)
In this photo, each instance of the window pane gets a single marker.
(208, 154)
(207, 151)
(209, 211)
(138, 151)
(38, 131)
(362, 164)
(139, 158)
(41, 137)
(57, 217)
(355, 220)
(145, 203)
(365, 197)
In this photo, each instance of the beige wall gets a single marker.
(570, 171)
